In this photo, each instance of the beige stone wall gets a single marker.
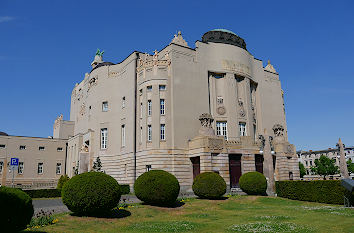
(31, 156)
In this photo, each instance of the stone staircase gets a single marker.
(237, 191)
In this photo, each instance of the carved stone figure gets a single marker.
(268, 169)
(206, 121)
(342, 162)
(278, 130)
(99, 53)
(242, 109)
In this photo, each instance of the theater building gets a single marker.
(182, 109)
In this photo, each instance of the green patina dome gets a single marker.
(223, 30)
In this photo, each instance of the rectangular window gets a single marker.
(20, 168)
(1, 166)
(149, 107)
(123, 102)
(60, 149)
(162, 132)
(242, 127)
(162, 87)
(40, 168)
(2, 146)
(149, 88)
(58, 169)
(22, 147)
(219, 100)
(162, 106)
(141, 134)
(41, 148)
(104, 106)
(307, 163)
(311, 163)
(123, 135)
(104, 138)
(148, 168)
(141, 110)
(221, 129)
(149, 133)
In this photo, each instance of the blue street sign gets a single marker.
(14, 162)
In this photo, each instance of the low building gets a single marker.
(307, 158)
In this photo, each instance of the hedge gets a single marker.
(43, 193)
(323, 191)
(124, 189)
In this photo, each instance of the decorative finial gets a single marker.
(270, 67)
(268, 61)
(99, 52)
(155, 52)
(178, 39)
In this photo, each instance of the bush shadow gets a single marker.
(217, 198)
(177, 204)
(115, 213)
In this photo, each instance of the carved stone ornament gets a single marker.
(215, 143)
(242, 109)
(82, 109)
(289, 149)
(221, 110)
(206, 121)
(270, 67)
(178, 39)
(278, 130)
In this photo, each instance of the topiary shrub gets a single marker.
(253, 183)
(209, 185)
(157, 187)
(62, 180)
(91, 194)
(16, 209)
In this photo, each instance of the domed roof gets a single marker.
(224, 36)
(223, 30)
(3, 134)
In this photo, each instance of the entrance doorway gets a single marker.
(259, 163)
(235, 170)
(196, 166)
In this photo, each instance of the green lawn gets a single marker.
(236, 214)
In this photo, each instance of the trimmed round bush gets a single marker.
(157, 187)
(16, 209)
(209, 185)
(91, 194)
(253, 183)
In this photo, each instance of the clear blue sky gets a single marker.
(47, 46)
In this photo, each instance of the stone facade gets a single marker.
(143, 112)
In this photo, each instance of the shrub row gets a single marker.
(124, 189)
(324, 191)
(43, 193)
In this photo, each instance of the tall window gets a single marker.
(149, 107)
(242, 127)
(58, 169)
(123, 135)
(1, 166)
(149, 133)
(40, 168)
(141, 134)
(123, 102)
(20, 168)
(105, 106)
(141, 110)
(162, 106)
(104, 138)
(162, 132)
(221, 129)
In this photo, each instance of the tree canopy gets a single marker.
(324, 167)
(302, 170)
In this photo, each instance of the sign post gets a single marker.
(14, 163)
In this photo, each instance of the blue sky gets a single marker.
(47, 46)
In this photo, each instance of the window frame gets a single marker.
(149, 133)
(242, 129)
(104, 106)
(19, 168)
(1, 166)
(221, 129)
(162, 87)
(60, 149)
(56, 169)
(162, 107)
(163, 132)
(40, 165)
(123, 135)
(41, 148)
(149, 108)
(22, 147)
(103, 138)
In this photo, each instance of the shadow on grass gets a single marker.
(175, 205)
(34, 231)
(115, 213)
(217, 198)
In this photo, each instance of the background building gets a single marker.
(307, 158)
(143, 113)
(41, 161)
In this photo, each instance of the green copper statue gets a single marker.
(99, 53)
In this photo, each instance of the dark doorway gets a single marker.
(259, 163)
(235, 170)
(196, 166)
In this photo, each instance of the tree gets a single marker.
(324, 167)
(350, 165)
(302, 170)
(97, 165)
(62, 180)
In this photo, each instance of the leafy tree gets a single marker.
(62, 180)
(97, 165)
(350, 165)
(324, 167)
(302, 170)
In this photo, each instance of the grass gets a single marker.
(236, 214)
